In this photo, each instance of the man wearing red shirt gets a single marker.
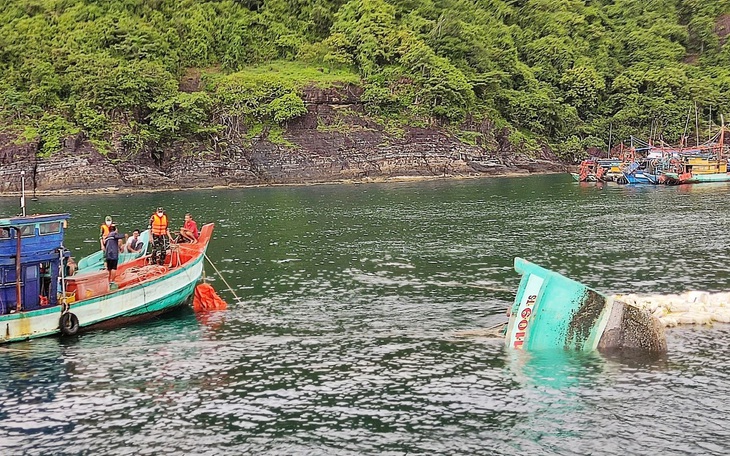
(189, 231)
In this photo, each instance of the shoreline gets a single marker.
(365, 181)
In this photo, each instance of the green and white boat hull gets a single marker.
(132, 303)
(697, 178)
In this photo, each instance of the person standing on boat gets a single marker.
(105, 231)
(160, 230)
(69, 266)
(112, 252)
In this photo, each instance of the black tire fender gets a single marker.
(69, 324)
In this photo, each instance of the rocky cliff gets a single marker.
(333, 142)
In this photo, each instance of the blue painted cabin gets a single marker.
(34, 246)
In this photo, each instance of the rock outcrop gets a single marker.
(333, 142)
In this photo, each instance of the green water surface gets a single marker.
(348, 337)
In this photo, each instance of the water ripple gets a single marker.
(346, 340)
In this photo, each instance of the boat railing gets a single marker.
(631, 167)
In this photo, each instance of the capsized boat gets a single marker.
(37, 299)
(552, 311)
(95, 261)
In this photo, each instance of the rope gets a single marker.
(222, 278)
(175, 248)
(492, 331)
(17, 350)
(483, 287)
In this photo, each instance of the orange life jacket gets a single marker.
(104, 230)
(159, 224)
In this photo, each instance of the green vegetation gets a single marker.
(554, 72)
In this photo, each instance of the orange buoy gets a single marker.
(206, 298)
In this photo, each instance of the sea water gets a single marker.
(356, 328)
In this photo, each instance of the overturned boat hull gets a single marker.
(552, 311)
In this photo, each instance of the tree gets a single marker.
(181, 114)
(287, 107)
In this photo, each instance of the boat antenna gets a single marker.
(709, 126)
(651, 132)
(22, 192)
(722, 137)
(610, 130)
(685, 138)
(697, 125)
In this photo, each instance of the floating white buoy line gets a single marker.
(689, 308)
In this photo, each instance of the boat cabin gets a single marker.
(697, 164)
(31, 253)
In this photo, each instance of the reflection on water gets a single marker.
(556, 369)
(344, 340)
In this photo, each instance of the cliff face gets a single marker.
(332, 142)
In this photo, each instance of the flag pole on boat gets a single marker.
(22, 192)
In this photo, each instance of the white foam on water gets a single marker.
(688, 308)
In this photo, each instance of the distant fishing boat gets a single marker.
(37, 299)
(95, 261)
(637, 173)
(642, 164)
(706, 162)
(589, 171)
(554, 312)
(612, 167)
(697, 169)
(603, 169)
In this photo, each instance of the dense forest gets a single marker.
(563, 74)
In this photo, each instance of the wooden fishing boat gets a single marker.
(95, 261)
(698, 169)
(589, 171)
(706, 162)
(554, 312)
(599, 170)
(650, 169)
(637, 173)
(37, 299)
(612, 168)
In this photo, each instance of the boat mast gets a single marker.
(685, 138)
(722, 137)
(18, 235)
(22, 192)
(18, 292)
(709, 126)
(610, 128)
(697, 126)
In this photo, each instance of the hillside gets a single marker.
(255, 91)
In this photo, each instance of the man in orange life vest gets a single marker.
(105, 231)
(160, 236)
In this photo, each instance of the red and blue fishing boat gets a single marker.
(38, 299)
